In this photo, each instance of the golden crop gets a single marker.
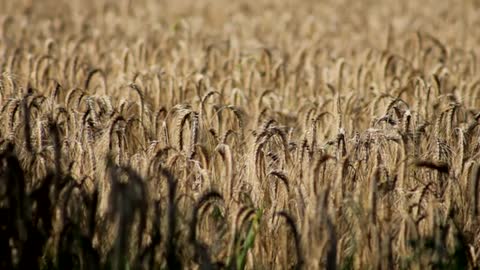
(266, 134)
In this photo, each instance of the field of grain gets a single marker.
(250, 134)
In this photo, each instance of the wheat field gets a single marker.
(266, 134)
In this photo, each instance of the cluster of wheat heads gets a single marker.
(239, 135)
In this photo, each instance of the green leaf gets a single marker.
(249, 240)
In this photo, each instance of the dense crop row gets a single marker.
(228, 135)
